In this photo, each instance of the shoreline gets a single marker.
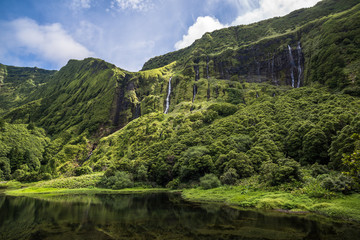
(342, 207)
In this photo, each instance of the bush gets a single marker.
(174, 184)
(210, 116)
(83, 170)
(209, 181)
(229, 177)
(317, 169)
(119, 181)
(4, 168)
(336, 183)
(223, 109)
(285, 171)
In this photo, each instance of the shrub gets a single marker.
(229, 177)
(336, 183)
(83, 170)
(118, 181)
(223, 109)
(4, 168)
(209, 181)
(286, 170)
(210, 116)
(317, 169)
(173, 184)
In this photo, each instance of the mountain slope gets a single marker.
(17, 83)
(91, 95)
(260, 51)
(276, 100)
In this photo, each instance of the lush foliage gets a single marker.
(225, 120)
(209, 181)
(117, 180)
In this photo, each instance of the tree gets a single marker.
(352, 162)
(229, 177)
(2, 124)
(286, 170)
(209, 181)
(314, 147)
(4, 168)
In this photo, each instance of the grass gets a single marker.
(340, 206)
(84, 181)
(40, 192)
(85, 184)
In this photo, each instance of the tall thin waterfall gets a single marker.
(194, 92)
(272, 70)
(292, 67)
(168, 98)
(299, 64)
(207, 67)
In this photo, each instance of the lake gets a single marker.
(155, 216)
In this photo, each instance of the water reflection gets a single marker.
(153, 216)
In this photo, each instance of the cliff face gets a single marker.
(260, 52)
(256, 64)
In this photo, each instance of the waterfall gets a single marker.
(272, 70)
(168, 98)
(292, 67)
(194, 92)
(207, 67)
(299, 64)
(197, 74)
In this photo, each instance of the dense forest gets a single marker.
(274, 103)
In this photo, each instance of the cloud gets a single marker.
(80, 4)
(271, 8)
(254, 11)
(46, 42)
(201, 26)
(139, 5)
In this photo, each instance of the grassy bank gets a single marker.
(336, 205)
(339, 206)
(86, 184)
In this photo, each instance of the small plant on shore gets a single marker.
(229, 177)
(209, 181)
(83, 170)
(119, 180)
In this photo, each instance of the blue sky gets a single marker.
(47, 33)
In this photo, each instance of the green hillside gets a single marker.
(327, 33)
(17, 83)
(275, 103)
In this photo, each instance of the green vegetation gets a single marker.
(233, 118)
(244, 196)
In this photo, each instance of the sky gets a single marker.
(47, 33)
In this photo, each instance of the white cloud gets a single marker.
(255, 11)
(48, 42)
(201, 26)
(80, 4)
(272, 8)
(139, 5)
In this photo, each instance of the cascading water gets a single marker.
(168, 98)
(292, 67)
(194, 92)
(272, 70)
(207, 67)
(299, 64)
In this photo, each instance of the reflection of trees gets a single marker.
(150, 216)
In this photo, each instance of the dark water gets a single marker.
(154, 216)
